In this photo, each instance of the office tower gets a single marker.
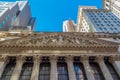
(113, 6)
(59, 56)
(69, 26)
(94, 20)
(80, 16)
(16, 16)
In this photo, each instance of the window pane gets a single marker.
(79, 71)
(96, 71)
(8, 71)
(62, 71)
(112, 71)
(26, 71)
(44, 72)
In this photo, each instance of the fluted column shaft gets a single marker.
(70, 66)
(18, 68)
(3, 63)
(88, 71)
(115, 61)
(35, 70)
(53, 72)
(107, 75)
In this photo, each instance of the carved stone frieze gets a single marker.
(57, 40)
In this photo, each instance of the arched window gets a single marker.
(44, 71)
(62, 70)
(8, 70)
(112, 70)
(79, 71)
(26, 69)
(96, 71)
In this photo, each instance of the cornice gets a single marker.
(58, 41)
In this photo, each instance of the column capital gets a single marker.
(37, 58)
(4, 58)
(84, 58)
(53, 58)
(20, 58)
(99, 58)
(69, 58)
(114, 58)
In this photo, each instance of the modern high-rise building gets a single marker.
(95, 20)
(69, 26)
(16, 16)
(80, 17)
(100, 21)
(113, 6)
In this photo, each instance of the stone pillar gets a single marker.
(53, 72)
(71, 71)
(35, 70)
(17, 70)
(3, 63)
(88, 71)
(107, 75)
(115, 61)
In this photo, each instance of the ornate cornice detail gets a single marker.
(58, 41)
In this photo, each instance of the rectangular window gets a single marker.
(0, 25)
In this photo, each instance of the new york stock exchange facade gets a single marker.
(59, 56)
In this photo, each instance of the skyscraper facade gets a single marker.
(16, 16)
(113, 6)
(80, 18)
(69, 26)
(95, 20)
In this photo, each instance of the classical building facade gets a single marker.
(59, 56)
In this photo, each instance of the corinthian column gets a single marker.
(17, 70)
(88, 71)
(35, 70)
(3, 63)
(70, 66)
(53, 72)
(104, 69)
(115, 61)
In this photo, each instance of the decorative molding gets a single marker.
(57, 41)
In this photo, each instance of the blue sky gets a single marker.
(50, 14)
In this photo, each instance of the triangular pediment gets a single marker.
(56, 40)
